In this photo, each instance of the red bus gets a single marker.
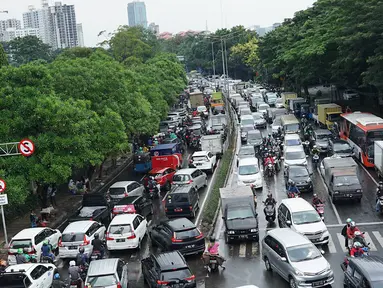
(361, 129)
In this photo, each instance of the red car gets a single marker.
(163, 176)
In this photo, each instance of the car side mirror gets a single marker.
(288, 223)
(283, 259)
(322, 252)
(307, 156)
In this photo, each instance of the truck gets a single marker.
(286, 96)
(293, 104)
(212, 143)
(341, 178)
(378, 158)
(328, 114)
(218, 122)
(93, 207)
(238, 207)
(196, 99)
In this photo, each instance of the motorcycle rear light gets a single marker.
(190, 181)
(191, 208)
(60, 243)
(133, 236)
(119, 285)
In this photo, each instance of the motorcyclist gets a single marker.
(98, 245)
(316, 200)
(20, 257)
(152, 183)
(212, 250)
(268, 159)
(379, 193)
(359, 237)
(75, 273)
(57, 283)
(344, 231)
(356, 250)
(293, 188)
(270, 140)
(46, 250)
(315, 150)
(81, 258)
(351, 230)
(3, 265)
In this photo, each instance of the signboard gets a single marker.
(3, 199)
(3, 185)
(26, 147)
(181, 58)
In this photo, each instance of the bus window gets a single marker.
(357, 135)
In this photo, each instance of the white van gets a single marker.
(249, 173)
(292, 140)
(295, 155)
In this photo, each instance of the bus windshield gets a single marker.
(373, 136)
(292, 127)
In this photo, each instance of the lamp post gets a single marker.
(213, 57)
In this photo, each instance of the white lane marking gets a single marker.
(341, 242)
(201, 207)
(378, 237)
(332, 204)
(254, 248)
(369, 240)
(331, 246)
(359, 224)
(242, 250)
(368, 173)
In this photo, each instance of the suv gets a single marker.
(123, 189)
(363, 272)
(177, 234)
(167, 270)
(301, 216)
(190, 176)
(133, 204)
(28, 275)
(203, 160)
(112, 272)
(32, 239)
(182, 201)
(295, 259)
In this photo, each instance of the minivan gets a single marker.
(182, 201)
(111, 273)
(295, 155)
(249, 173)
(123, 189)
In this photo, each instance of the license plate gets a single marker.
(94, 257)
(243, 236)
(72, 247)
(120, 240)
(198, 164)
(190, 246)
(319, 283)
(213, 261)
(178, 210)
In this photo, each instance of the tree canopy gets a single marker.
(27, 49)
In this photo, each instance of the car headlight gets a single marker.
(309, 181)
(359, 191)
(230, 232)
(253, 230)
(299, 273)
(336, 192)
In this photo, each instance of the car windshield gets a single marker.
(120, 229)
(293, 142)
(102, 280)
(117, 191)
(178, 198)
(14, 280)
(277, 122)
(271, 97)
(181, 178)
(248, 170)
(263, 107)
(239, 213)
(197, 132)
(72, 237)
(245, 112)
(303, 253)
(279, 100)
(292, 127)
(257, 116)
(176, 274)
(346, 180)
(298, 171)
(342, 147)
(306, 217)
(156, 175)
(200, 158)
(323, 136)
(16, 244)
(246, 151)
(247, 128)
(254, 135)
(296, 155)
(187, 234)
(247, 121)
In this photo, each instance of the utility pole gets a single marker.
(212, 54)
(223, 63)
(226, 65)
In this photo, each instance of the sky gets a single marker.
(171, 15)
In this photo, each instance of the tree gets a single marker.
(27, 49)
(3, 57)
(247, 52)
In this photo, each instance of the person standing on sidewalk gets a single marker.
(53, 195)
(344, 231)
(33, 218)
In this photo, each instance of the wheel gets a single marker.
(267, 264)
(167, 186)
(292, 282)
(205, 185)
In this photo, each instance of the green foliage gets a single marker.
(247, 53)
(3, 57)
(27, 49)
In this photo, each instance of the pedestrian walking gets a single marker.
(33, 219)
(344, 231)
(53, 195)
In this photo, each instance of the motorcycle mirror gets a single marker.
(288, 222)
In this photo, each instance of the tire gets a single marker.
(139, 245)
(267, 264)
(292, 282)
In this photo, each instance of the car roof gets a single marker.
(200, 153)
(181, 189)
(248, 161)
(255, 131)
(244, 117)
(185, 171)
(21, 267)
(371, 266)
(78, 226)
(121, 184)
(288, 237)
(322, 131)
(339, 141)
(264, 104)
(170, 260)
(103, 267)
(158, 170)
(128, 200)
(294, 148)
(297, 204)
(297, 167)
(292, 136)
(28, 233)
(180, 224)
(246, 147)
(123, 219)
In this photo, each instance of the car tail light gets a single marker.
(125, 194)
(33, 251)
(166, 209)
(10, 253)
(108, 238)
(191, 208)
(174, 239)
(200, 235)
(162, 282)
(119, 285)
(190, 161)
(190, 279)
(60, 243)
(133, 236)
(86, 241)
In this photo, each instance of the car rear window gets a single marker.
(178, 198)
(116, 191)
(102, 281)
(176, 274)
(200, 158)
(120, 229)
(72, 237)
(24, 243)
(156, 175)
(16, 280)
(181, 177)
(187, 234)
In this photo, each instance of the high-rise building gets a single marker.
(80, 35)
(154, 28)
(137, 14)
(6, 24)
(39, 19)
(12, 33)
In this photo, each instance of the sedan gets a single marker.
(271, 98)
(301, 176)
(133, 204)
(244, 130)
(246, 151)
(341, 148)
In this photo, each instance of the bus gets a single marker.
(361, 130)
(290, 124)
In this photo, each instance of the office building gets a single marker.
(6, 24)
(80, 35)
(154, 28)
(137, 14)
(39, 19)
(12, 33)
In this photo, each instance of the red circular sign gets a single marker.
(3, 185)
(26, 147)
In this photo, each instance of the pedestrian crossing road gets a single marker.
(373, 235)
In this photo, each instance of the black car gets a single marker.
(321, 138)
(363, 272)
(182, 201)
(134, 205)
(301, 176)
(177, 234)
(167, 269)
(246, 151)
(341, 148)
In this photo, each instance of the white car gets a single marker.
(279, 103)
(32, 239)
(204, 160)
(190, 175)
(259, 120)
(31, 275)
(295, 155)
(277, 124)
(262, 108)
(249, 173)
(80, 234)
(350, 95)
(203, 109)
(247, 120)
(124, 189)
(292, 140)
(126, 231)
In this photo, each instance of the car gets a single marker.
(276, 125)
(254, 101)
(340, 148)
(111, 273)
(292, 140)
(126, 231)
(203, 160)
(190, 175)
(259, 120)
(295, 259)
(249, 173)
(254, 137)
(182, 201)
(123, 189)
(350, 95)
(32, 239)
(271, 98)
(180, 113)
(196, 129)
(203, 109)
(79, 234)
(244, 130)
(177, 234)
(166, 125)
(279, 103)
(247, 120)
(363, 272)
(294, 155)
(171, 141)
(244, 112)
(321, 138)
(163, 176)
(300, 216)
(301, 176)
(218, 110)
(31, 275)
(246, 151)
(133, 204)
(262, 107)
(166, 270)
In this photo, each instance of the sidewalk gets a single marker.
(67, 203)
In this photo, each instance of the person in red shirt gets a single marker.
(351, 230)
(268, 159)
(356, 250)
(195, 113)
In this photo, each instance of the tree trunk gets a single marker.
(100, 169)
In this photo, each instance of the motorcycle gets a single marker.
(292, 194)
(320, 209)
(213, 263)
(381, 204)
(270, 170)
(153, 192)
(269, 213)
(277, 163)
(73, 283)
(306, 146)
(46, 259)
(96, 255)
(315, 159)
(361, 240)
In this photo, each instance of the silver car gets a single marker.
(189, 176)
(295, 259)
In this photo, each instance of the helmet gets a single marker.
(57, 276)
(269, 195)
(212, 239)
(348, 220)
(151, 178)
(292, 183)
(25, 250)
(20, 251)
(81, 250)
(96, 236)
(72, 263)
(352, 224)
(315, 195)
(45, 242)
(357, 233)
(315, 146)
(357, 245)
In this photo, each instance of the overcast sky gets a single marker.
(171, 15)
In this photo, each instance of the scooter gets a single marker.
(46, 259)
(270, 170)
(320, 209)
(381, 204)
(96, 255)
(315, 159)
(306, 146)
(269, 213)
(292, 194)
(213, 263)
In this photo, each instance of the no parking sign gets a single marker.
(26, 147)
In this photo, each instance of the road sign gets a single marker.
(26, 147)
(3, 199)
(3, 185)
